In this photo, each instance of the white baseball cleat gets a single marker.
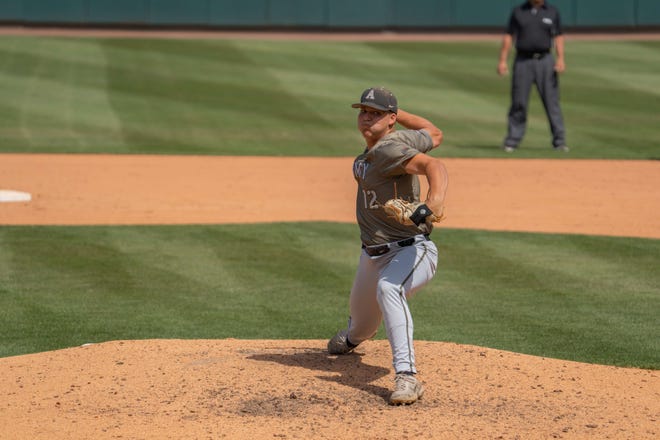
(407, 390)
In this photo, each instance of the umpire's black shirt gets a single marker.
(534, 29)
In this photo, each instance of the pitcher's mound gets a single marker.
(294, 389)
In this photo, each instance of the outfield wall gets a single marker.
(319, 14)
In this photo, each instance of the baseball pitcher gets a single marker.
(398, 257)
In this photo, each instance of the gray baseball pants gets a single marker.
(528, 70)
(380, 292)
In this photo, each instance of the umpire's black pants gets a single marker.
(539, 70)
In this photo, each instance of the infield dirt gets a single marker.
(200, 389)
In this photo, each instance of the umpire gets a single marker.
(535, 26)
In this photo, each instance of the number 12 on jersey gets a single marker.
(370, 201)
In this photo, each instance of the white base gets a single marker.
(7, 195)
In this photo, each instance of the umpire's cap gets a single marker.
(379, 98)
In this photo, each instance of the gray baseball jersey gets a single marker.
(380, 174)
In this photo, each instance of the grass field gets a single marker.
(292, 97)
(593, 299)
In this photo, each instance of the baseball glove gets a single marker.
(410, 213)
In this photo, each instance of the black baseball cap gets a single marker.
(379, 98)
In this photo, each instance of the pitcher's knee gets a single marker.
(388, 292)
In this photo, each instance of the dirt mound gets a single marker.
(293, 389)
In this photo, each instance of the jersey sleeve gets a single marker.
(418, 139)
(558, 29)
(391, 156)
(512, 26)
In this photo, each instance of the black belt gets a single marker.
(537, 55)
(382, 249)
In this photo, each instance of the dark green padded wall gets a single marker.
(329, 14)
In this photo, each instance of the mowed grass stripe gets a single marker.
(591, 299)
(254, 97)
(55, 94)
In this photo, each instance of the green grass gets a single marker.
(235, 97)
(592, 299)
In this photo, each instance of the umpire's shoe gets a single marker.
(407, 389)
(339, 343)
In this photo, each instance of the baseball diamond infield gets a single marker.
(284, 389)
(293, 389)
